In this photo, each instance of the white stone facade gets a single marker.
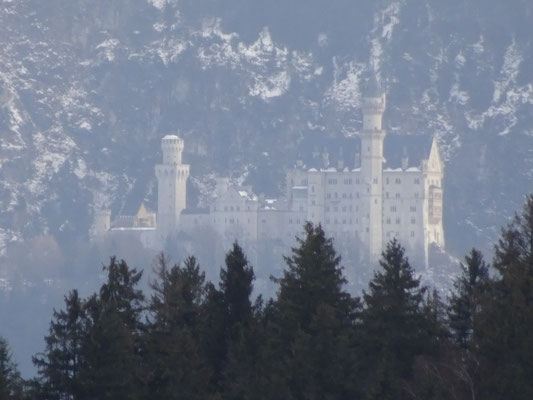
(366, 206)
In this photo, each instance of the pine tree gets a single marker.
(60, 364)
(236, 286)
(502, 334)
(176, 365)
(466, 298)
(112, 360)
(11, 385)
(394, 323)
(229, 320)
(314, 322)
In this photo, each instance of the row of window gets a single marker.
(397, 181)
(398, 221)
(232, 208)
(397, 234)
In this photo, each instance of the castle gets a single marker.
(365, 206)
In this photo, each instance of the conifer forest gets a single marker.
(188, 339)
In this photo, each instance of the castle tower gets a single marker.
(172, 177)
(372, 159)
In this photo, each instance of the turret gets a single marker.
(172, 177)
(372, 159)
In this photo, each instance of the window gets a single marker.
(417, 181)
(375, 181)
(344, 209)
(416, 195)
(398, 181)
(344, 195)
(397, 195)
(312, 189)
(290, 221)
(335, 208)
(238, 208)
(301, 208)
(335, 195)
(388, 221)
(398, 220)
(412, 208)
(413, 221)
(231, 208)
(313, 202)
(412, 234)
(328, 196)
(387, 181)
(332, 181)
(386, 195)
(393, 209)
(351, 207)
(357, 181)
(327, 208)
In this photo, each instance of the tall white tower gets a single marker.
(171, 185)
(372, 169)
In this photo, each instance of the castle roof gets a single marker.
(170, 137)
(341, 153)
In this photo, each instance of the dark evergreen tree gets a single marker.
(313, 327)
(214, 338)
(60, 364)
(176, 365)
(112, 353)
(229, 318)
(503, 333)
(395, 325)
(236, 286)
(11, 384)
(465, 301)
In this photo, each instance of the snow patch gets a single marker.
(507, 96)
(84, 124)
(161, 4)
(270, 86)
(457, 95)
(108, 48)
(345, 91)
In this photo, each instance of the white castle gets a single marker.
(364, 207)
